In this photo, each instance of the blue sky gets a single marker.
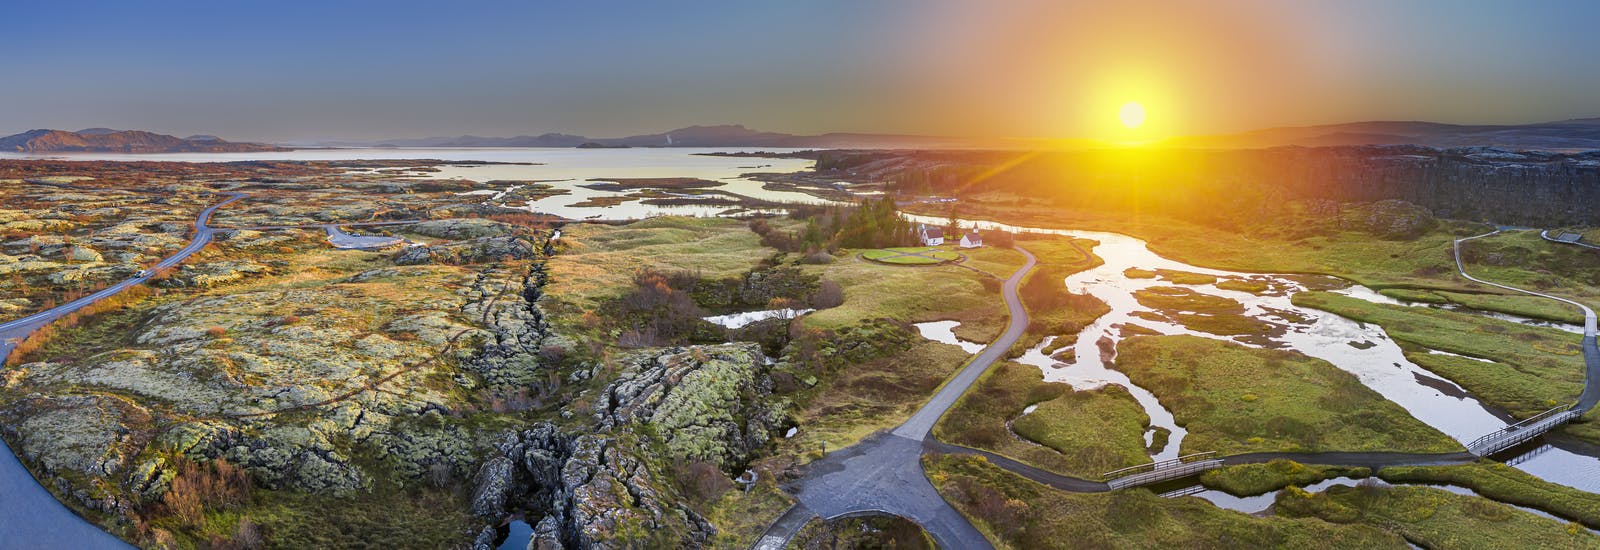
(309, 70)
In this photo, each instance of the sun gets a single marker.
(1132, 114)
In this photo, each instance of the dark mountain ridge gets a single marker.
(1567, 135)
(106, 140)
(722, 135)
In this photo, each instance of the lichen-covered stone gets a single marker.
(486, 249)
(706, 403)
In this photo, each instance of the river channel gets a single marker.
(1360, 349)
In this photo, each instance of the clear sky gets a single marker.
(1036, 68)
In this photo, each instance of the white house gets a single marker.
(929, 235)
(971, 239)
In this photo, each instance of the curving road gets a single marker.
(1591, 351)
(883, 473)
(30, 517)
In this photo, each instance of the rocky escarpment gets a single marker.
(1480, 183)
(1475, 183)
(598, 487)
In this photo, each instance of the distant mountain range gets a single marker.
(1574, 134)
(106, 140)
(728, 135)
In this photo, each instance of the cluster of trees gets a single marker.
(660, 309)
(873, 223)
(668, 308)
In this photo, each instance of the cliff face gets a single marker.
(111, 141)
(1529, 188)
(1478, 183)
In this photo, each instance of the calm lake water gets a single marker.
(565, 168)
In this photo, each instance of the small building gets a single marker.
(929, 235)
(971, 239)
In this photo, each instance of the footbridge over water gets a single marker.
(1156, 472)
(1522, 432)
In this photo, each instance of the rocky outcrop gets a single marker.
(486, 249)
(588, 491)
(465, 228)
(601, 489)
(704, 403)
(511, 357)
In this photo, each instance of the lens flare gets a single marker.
(1132, 114)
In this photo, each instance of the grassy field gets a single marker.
(597, 262)
(1095, 431)
(1435, 518)
(1532, 368)
(741, 516)
(1016, 513)
(1506, 484)
(879, 390)
(921, 255)
(1171, 276)
(1052, 310)
(1235, 399)
(873, 394)
(1080, 434)
(1256, 479)
(915, 295)
(1515, 305)
(1281, 246)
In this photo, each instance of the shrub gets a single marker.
(703, 481)
(817, 258)
(247, 535)
(198, 487)
(216, 332)
(829, 294)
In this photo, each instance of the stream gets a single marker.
(1360, 349)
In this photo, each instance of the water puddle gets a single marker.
(742, 319)
(1442, 352)
(518, 536)
(944, 333)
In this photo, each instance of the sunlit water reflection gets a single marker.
(1377, 361)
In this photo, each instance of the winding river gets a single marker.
(1360, 349)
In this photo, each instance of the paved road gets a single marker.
(1591, 351)
(883, 473)
(922, 422)
(30, 517)
(22, 327)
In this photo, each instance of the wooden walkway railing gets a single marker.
(1155, 472)
(1522, 432)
